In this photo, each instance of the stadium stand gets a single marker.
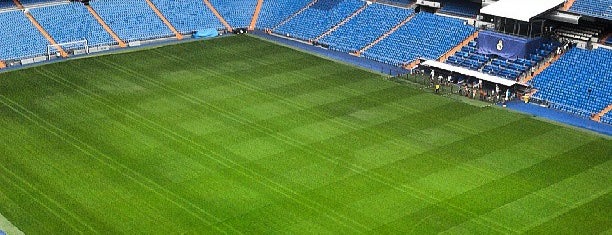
(275, 11)
(37, 2)
(238, 13)
(607, 118)
(19, 39)
(188, 16)
(426, 36)
(6, 4)
(132, 20)
(578, 82)
(595, 8)
(71, 22)
(365, 27)
(319, 18)
(468, 57)
(463, 8)
(399, 2)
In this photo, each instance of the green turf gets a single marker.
(241, 135)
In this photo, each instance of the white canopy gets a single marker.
(471, 73)
(523, 10)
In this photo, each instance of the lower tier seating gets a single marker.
(319, 18)
(19, 39)
(188, 16)
(71, 22)
(580, 82)
(237, 13)
(607, 118)
(131, 20)
(366, 27)
(426, 36)
(273, 12)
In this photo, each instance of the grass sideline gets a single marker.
(241, 135)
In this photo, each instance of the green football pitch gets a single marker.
(239, 135)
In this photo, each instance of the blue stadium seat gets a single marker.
(71, 22)
(237, 13)
(426, 36)
(7, 4)
(366, 27)
(319, 18)
(273, 12)
(595, 8)
(188, 16)
(131, 20)
(566, 83)
(19, 39)
(464, 8)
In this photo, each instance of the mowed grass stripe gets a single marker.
(500, 192)
(270, 183)
(592, 217)
(322, 170)
(548, 203)
(99, 156)
(336, 138)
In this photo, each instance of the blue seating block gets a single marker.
(595, 8)
(366, 27)
(237, 13)
(566, 83)
(273, 12)
(319, 18)
(71, 22)
(131, 20)
(426, 36)
(188, 16)
(19, 39)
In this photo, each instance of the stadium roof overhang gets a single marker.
(471, 73)
(522, 10)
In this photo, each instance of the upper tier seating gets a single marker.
(237, 13)
(595, 8)
(464, 8)
(131, 20)
(366, 27)
(19, 39)
(402, 2)
(188, 16)
(35, 2)
(71, 22)
(273, 12)
(566, 82)
(426, 36)
(319, 18)
(6, 4)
